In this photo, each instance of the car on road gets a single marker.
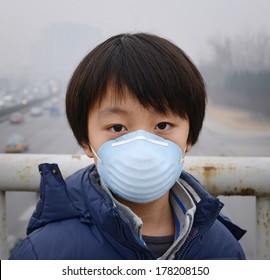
(16, 118)
(16, 144)
(54, 111)
(36, 111)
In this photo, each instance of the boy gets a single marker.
(136, 104)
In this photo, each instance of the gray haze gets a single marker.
(190, 24)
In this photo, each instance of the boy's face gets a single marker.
(113, 118)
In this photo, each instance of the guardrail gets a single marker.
(243, 176)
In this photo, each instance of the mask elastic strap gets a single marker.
(183, 157)
(95, 154)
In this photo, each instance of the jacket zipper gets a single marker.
(121, 229)
(119, 221)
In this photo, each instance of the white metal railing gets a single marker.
(244, 176)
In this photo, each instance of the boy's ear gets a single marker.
(87, 150)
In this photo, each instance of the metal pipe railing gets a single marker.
(244, 176)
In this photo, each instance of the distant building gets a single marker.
(60, 48)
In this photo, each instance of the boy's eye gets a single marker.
(162, 126)
(118, 128)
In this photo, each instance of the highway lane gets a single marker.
(219, 139)
(45, 134)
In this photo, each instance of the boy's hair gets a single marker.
(155, 71)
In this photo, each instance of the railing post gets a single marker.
(263, 228)
(3, 227)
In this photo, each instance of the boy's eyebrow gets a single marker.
(112, 110)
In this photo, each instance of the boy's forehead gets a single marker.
(118, 100)
(115, 98)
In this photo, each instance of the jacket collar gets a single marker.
(208, 208)
(54, 203)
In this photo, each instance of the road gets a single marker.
(46, 134)
(51, 135)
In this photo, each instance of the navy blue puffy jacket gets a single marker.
(76, 219)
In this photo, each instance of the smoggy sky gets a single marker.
(188, 23)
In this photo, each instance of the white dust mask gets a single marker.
(139, 166)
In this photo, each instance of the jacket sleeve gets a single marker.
(24, 251)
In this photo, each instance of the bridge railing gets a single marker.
(229, 176)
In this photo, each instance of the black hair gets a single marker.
(154, 70)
